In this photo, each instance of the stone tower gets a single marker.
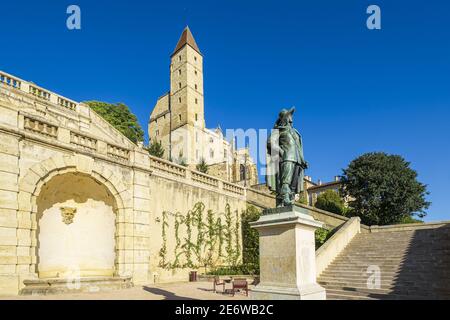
(178, 119)
(186, 83)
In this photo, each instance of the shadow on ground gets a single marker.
(166, 294)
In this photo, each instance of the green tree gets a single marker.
(331, 201)
(410, 219)
(384, 189)
(202, 166)
(120, 117)
(156, 149)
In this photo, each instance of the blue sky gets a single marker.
(355, 90)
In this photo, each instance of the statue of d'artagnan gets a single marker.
(285, 163)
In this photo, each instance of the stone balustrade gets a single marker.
(40, 93)
(10, 81)
(83, 141)
(37, 91)
(204, 179)
(233, 188)
(118, 153)
(40, 127)
(167, 167)
(67, 103)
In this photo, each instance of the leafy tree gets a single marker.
(156, 149)
(331, 201)
(384, 189)
(120, 117)
(202, 166)
(410, 219)
(321, 235)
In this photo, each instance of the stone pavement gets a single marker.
(163, 291)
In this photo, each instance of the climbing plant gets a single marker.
(203, 238)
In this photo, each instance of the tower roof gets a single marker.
(186, 38)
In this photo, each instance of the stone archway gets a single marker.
(76, 228)
(40, 176)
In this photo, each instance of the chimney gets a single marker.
(337, 178)
(319, 182)
(308, 178)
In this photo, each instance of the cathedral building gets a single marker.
(178, 121)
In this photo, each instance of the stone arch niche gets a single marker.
(41, 192)
(76, 228)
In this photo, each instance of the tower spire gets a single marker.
(186, 38)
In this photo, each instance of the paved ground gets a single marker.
(166, 291)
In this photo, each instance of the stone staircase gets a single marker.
(413, 264)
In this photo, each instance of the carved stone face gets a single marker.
(68, 214)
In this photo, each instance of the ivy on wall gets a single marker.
(206, 240)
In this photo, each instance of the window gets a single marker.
(195, 58)
(196, 115)
(211, 153)
(179, 72)
(225, 154)
(196, 137)
(196, 101)
(242, 173)
(179, 99)
(211, 140)
(179, 85)
(157, 132)
(179, 117)
(195, 72)
(179, 57)
(195, 86)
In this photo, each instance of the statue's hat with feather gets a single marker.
(285, 112)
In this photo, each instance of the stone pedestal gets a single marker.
(287, 255)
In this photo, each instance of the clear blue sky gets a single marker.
(355, 90)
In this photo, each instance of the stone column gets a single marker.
(287, 255)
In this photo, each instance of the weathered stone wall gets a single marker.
(46, 137)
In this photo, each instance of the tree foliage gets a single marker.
(384, 189)
(120, 117)
(202, 166)
(156, 149)
(331, 201)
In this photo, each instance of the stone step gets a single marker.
(385, 272)
(88, 284)
(444, 276)
(386, 285)
(413, 265)
(363, 267)
(343, 294)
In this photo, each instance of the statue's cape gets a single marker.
(273, 161)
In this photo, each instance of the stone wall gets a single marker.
(45, 140)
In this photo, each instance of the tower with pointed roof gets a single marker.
(186, 83)
(178, 118)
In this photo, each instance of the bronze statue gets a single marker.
(286, 164)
